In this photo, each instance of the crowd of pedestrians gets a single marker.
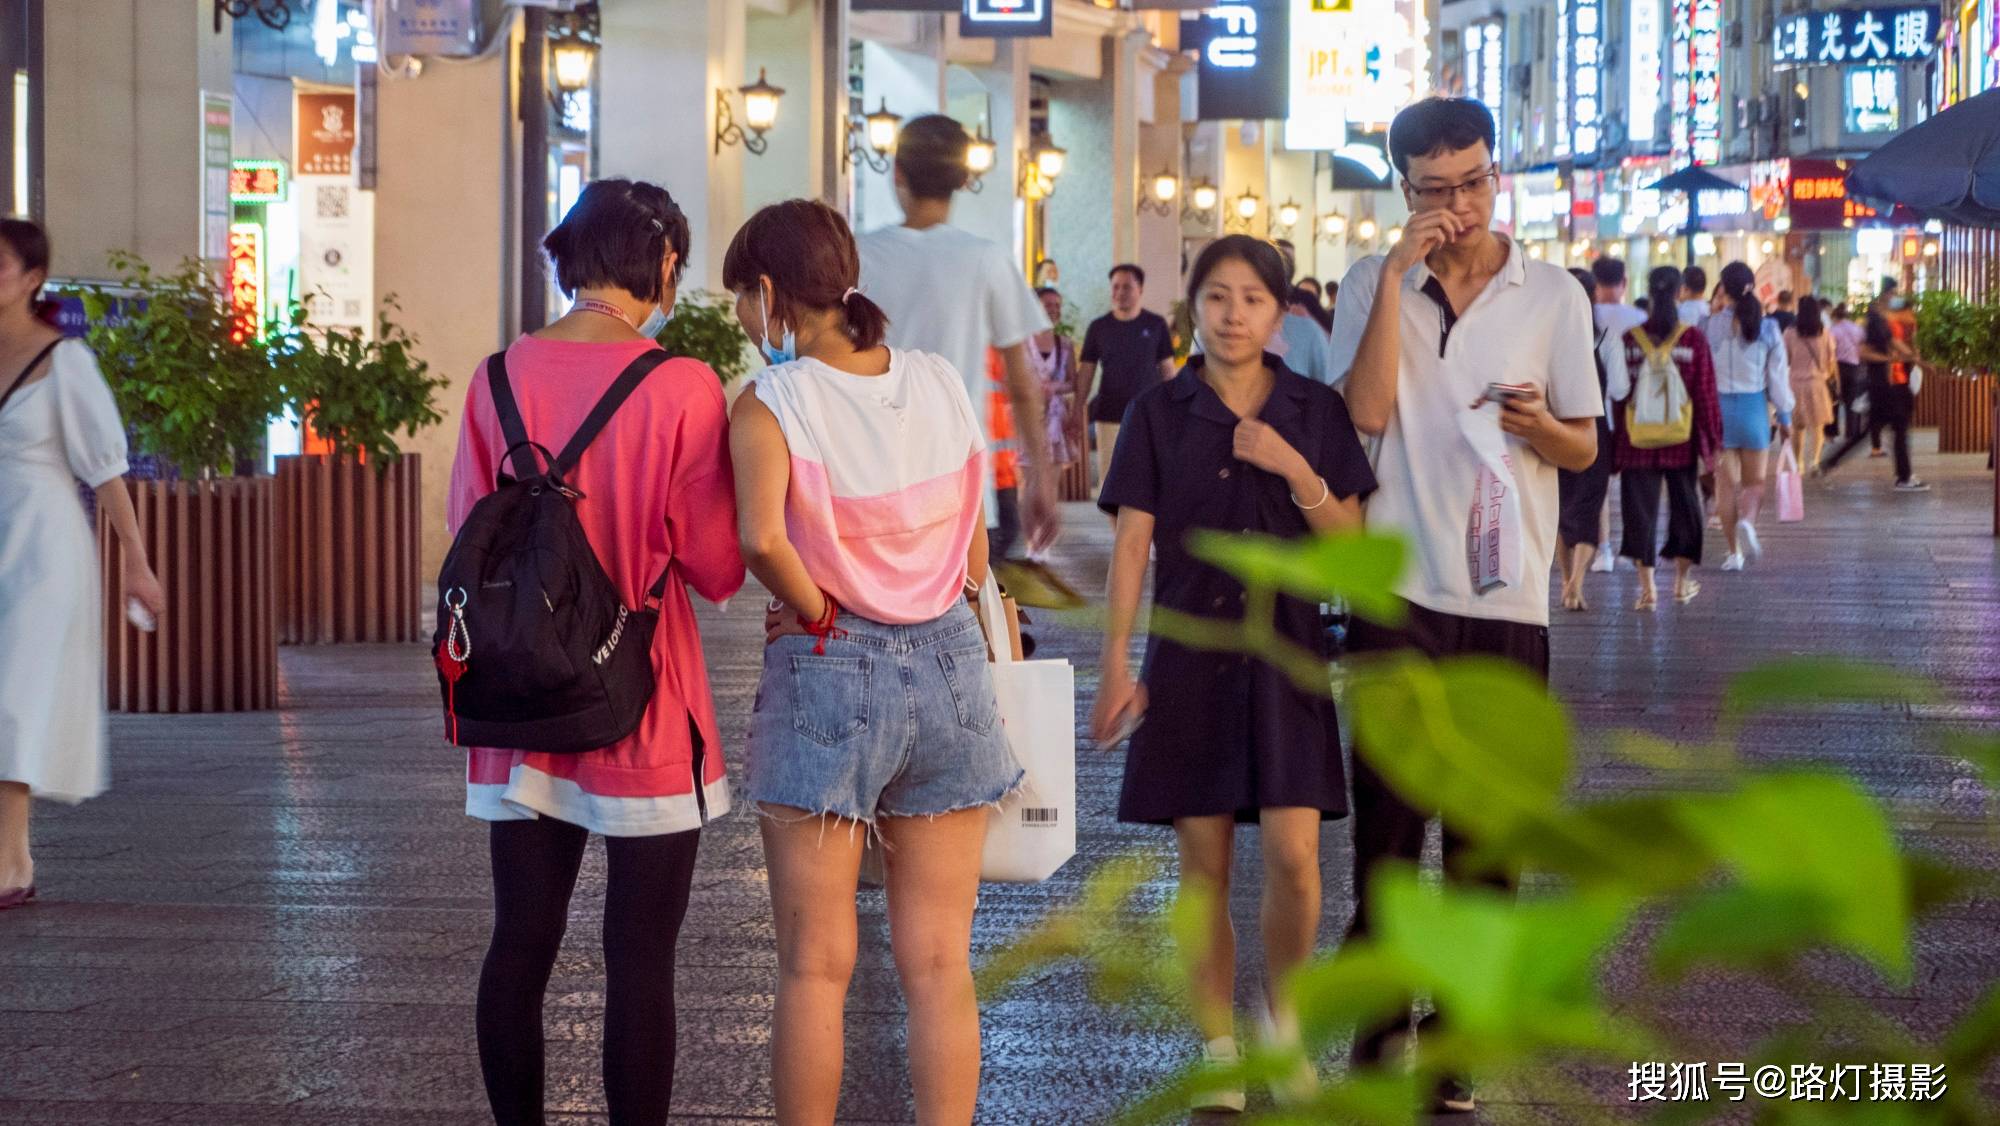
(1454, 391)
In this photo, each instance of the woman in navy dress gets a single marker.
(1235, 443)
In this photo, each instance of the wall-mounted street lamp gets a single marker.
(1243, 209)
(1365, 230)
(980, 156)
(1202, 199)
(1332, 227)
(1041, 167)
(573, 58)
(878, 130)
(760, 112)
(1158, 197)
(1287, 217)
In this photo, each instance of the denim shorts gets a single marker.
(891, 721)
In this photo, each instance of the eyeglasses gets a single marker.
(1446, 196)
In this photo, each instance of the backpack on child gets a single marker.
(535, 648)
(1659, 413)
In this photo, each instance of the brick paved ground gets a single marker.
(279, 918)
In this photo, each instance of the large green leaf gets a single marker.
(1743, 928)
(1818, 835)
(1476, 738)
(1819, 680)
(1356, 566)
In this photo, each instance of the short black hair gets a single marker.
(1609, 272)
(930, 153)
(1891, 285)
(615, 235)
(1786, 297)
(1260, 256)
(1138, 275)
(1048, 291)
(1694, 279)
(1439, 125)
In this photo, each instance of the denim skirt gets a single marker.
(889, 721)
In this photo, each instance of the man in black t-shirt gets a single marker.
(1135, 350)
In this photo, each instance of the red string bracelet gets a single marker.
(824, 627)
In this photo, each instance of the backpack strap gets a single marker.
(621, 389)
(519, 449)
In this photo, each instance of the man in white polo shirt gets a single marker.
(1421, 333)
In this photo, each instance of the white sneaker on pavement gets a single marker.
(1733, 561)
(1221, 1050)
(1746, 535)
(1281, 1030)
(1913, 485)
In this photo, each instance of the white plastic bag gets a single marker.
(1494, 545)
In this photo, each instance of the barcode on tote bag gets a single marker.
(1039, 815)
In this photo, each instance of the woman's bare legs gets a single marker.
(933, 874)
(814, 864)
(1206, 844)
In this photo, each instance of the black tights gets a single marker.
(534, 870)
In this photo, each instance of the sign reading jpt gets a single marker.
(1900, 34)
(1329, 56)
(1242, 70)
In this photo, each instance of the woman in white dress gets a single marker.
(57, 425)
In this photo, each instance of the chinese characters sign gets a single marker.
(1589, 52)
(1705, 82)
(1485, 65)
(1682, 94)
(1872, 101)
(245, 279)
(1854, 35)
(323, 144)
(1642, 95)
(257, 181)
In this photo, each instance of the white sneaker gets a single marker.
(1746, 534)
(1281, 1030)
(1605, 561)
(1733, 561)
(1221, 1050)
(1913, 485)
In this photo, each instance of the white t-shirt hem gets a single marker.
(530, 793)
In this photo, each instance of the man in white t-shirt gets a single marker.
(1421, 333)
(956, 294)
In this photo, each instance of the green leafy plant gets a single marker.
(1762, 874)
(188, 389)
(1953, 332)
(704, 328)
(355, 391)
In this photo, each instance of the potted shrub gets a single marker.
(349, 517)
(1959, 338)
(704, 328)
(196, 392)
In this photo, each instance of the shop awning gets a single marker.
(1946, 168)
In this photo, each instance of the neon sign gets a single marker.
(1485, 66)
(1589, 53)
(1642, 95)
(1900, 34)
(1682, 91)
(257, 181)
(1705, 82)
(244, 276)
(1562, 78)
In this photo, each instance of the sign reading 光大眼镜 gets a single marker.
(1900, 34)
(1242, 69)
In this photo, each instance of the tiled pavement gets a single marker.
(278, 918)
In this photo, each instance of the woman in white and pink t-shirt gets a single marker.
(859, 476)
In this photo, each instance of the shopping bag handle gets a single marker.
(994, 614)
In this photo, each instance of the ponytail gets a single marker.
(867, 324)
(1739, 281)
(1663, 288)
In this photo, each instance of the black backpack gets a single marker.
(535, 649)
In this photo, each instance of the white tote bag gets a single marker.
(1034, 831)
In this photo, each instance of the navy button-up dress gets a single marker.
(1225, 733)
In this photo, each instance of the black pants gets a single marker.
(1639, 502)
(1889, 407)
(1006, 532)
(1853, 381)
(534, 870)
(1387, 828)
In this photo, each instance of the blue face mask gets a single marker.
(656, 323)
(775, 355)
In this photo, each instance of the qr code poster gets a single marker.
(337, 252)
(331, 201)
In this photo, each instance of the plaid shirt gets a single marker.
(1697, 366)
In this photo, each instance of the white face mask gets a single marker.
(656, 322)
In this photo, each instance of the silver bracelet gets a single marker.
(1325, 491)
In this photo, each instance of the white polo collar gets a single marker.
(1514, 271)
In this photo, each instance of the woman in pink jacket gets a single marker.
(655, 494)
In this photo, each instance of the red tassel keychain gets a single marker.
(454, 656)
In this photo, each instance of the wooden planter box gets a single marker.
(216, 649)
(349, 550)
(1961, 407)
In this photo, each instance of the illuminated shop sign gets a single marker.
(1854, 35)
(1642, 93)
(1770, 181)
(245, 279)
(1242, 70)
(1589, 51)
(1486, 66)
(1681, 92)
(1562, 77)
(1332, 46)
(257, 181)
(1705, 82)
(1873, 105)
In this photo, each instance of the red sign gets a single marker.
(245, 278)
(248, 182)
